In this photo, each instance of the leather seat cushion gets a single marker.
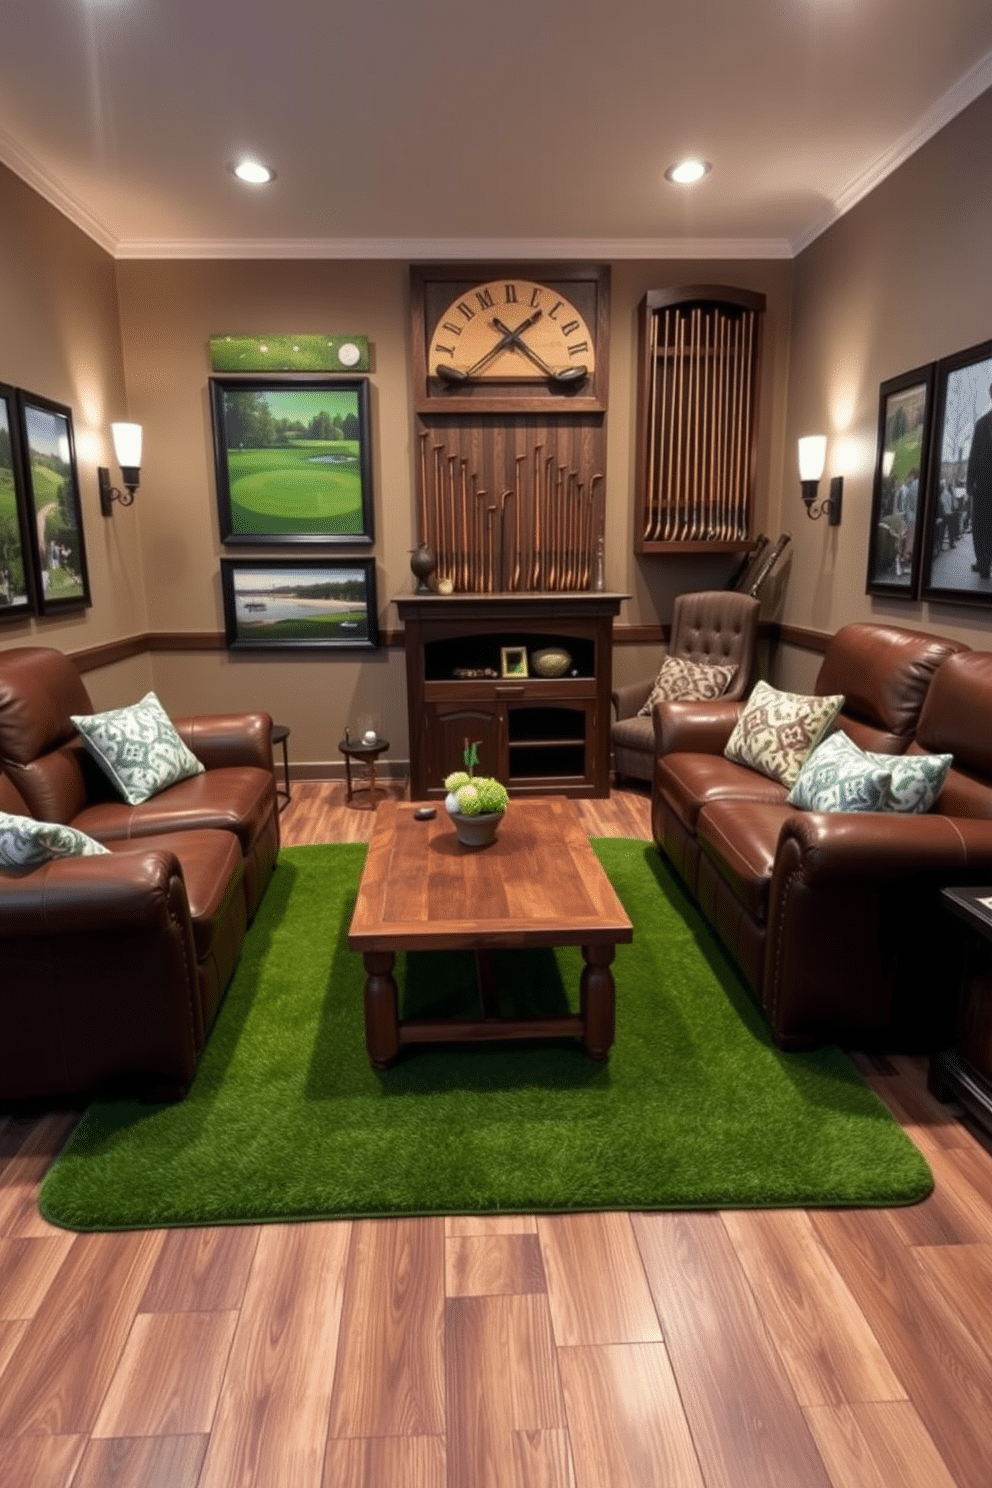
(740, 838)
(689, 782)
(237, 798)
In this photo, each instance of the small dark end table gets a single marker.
(280, 733)
(964, 1072)
(355, 749)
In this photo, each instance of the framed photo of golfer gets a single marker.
(307, 604)
(54, 511)
(292, 459)
(16, 574)
(957, 548)
(905, 409)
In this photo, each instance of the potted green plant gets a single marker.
(475, 803)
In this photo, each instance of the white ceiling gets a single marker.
(474, 128)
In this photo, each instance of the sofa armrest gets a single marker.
(630, 699)
(220, 739)
(694, 727)
(133, 890)
(825, 847)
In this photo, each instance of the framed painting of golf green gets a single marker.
(54, 512)
(16, 591)
(957, 545)
(901, 463)
(292, 459)
(312, 604)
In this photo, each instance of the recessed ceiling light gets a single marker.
(684, 172)
(252, 171)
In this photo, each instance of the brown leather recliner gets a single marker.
(832, 918)
(710, 626)
(113, 967)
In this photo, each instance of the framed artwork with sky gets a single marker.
(292, 459)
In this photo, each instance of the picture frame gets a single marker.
(513, 661)
(292, 457)
(902, 454)
(53, 507)
(957, 549)
(16, 568)
(304, 604)
(305, 351)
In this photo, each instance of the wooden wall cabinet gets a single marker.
(697, 419)
(538, 735)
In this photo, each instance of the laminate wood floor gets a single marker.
(785, 1348)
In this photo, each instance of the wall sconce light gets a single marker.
(127, 448)
(812, 458)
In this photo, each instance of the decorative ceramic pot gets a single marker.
(477, 831)
(551, 661)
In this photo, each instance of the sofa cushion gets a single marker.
(138, 748)
(678, 677)
(25, 842)
(235, 798)
(838, 776)
(688, 782)
(777, 730)
(884, 672)
(740, 839)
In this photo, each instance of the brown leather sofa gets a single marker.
(113, 967)
(832, 918)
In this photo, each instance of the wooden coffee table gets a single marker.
(539, 884)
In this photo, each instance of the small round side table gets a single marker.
(354, 749)
(280, 733)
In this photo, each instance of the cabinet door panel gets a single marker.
(447, 729)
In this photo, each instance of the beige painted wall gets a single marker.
(902, 280)
(61, 339)
(168, 312)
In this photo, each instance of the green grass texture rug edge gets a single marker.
(286, 1120)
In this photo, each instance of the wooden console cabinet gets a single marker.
(538, 735)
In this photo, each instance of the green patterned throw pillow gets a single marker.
(838, 776)
(917, 781)
(24, 842)
(680, 678)
(863, 780)
(777, 730)
(138, 748)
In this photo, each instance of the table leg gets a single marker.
(598, 1000)
(382, 1029)
(372, 779)
(347, 776)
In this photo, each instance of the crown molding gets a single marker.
(975, 82)
(455, 249)
(29, 170)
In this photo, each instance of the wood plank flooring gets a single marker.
(700, 1350)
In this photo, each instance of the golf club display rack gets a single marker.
(697, 419)
(536, 734)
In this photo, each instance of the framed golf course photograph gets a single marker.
(16, 593)
(54, 511)
(311, 604)
(292, 459)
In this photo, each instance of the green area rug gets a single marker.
(287, 1120)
